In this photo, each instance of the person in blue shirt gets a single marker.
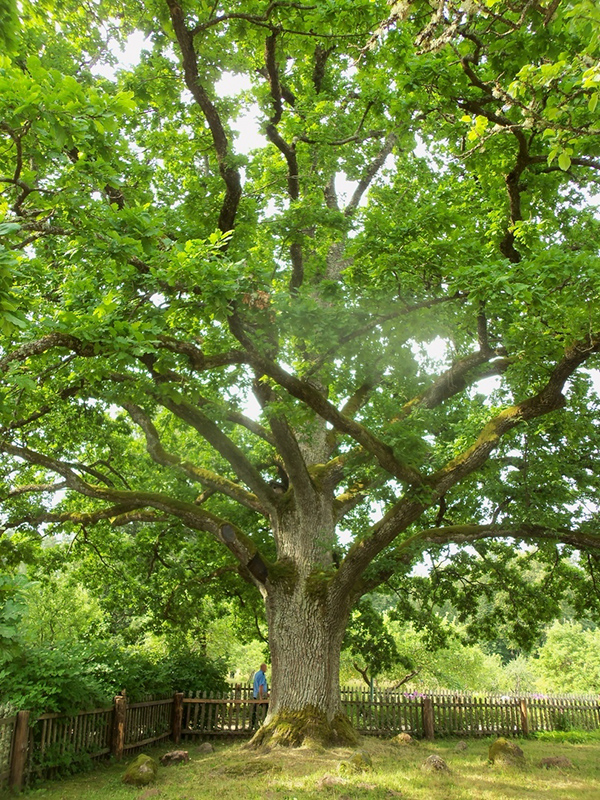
(260, 691)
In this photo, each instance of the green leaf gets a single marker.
(564, 161)
(9, 227)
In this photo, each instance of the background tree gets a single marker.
(372, 648)
(162, 278)
(568, 659)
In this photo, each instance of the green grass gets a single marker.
(233, 773)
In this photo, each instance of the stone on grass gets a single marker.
(460, 746)
(175, 757)
(560, 762)
(359, 761)
(506, 753)
(327, 781)
(141, 772)
(435, 764)
(206, 747)
(404, 739)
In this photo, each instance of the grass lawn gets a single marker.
(233, 773)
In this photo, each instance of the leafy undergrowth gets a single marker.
(235, 773)
(572, 737)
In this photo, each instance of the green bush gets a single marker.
(59, 761)
(179, 670)
(190, 671)
(78, 677)
(44, 679)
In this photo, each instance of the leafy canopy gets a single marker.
(156, 273)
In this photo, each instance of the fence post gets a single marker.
(177, 717)
(524, 718)
(427, 708)
(118, 732)
(19, 751)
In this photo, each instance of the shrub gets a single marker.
(45, 679)
(78, 677)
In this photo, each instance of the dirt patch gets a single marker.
(149, 794)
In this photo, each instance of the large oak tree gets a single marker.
(235, 338)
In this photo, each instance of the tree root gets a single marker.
(308, 727)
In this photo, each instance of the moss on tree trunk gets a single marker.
(308, 727)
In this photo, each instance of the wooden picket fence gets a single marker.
(446, 713)
(52, 744)
(236, 715)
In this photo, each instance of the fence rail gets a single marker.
(226, 716)
(43, 746)
(147, 723)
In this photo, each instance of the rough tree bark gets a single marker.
(306, 628)
(307, 619)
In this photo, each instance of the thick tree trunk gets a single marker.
(306, 627)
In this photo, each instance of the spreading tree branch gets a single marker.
(287, 445)
(157, 452)
(287, 150)
(195, 517)
(465, 534)
(229, 173)
(408, 509)
(211, 432)
(313, 398)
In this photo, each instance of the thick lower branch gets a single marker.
(455, 380)
(76, 517)
(157, 452)
(287, 445)
(305, 392)
(465, 534)
(225, 447)
(195, 517)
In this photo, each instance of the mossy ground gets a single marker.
(233, 772)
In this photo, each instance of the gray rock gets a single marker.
(435, 764)
(175, 757)
(206, 747)
(141, 772)
(461, 746)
